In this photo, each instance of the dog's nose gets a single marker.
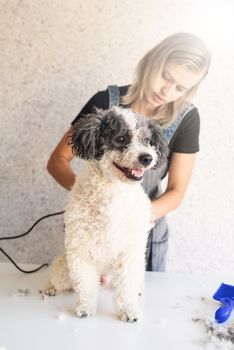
(145, 159)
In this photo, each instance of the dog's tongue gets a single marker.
(138, 172)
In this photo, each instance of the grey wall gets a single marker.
(54, 56)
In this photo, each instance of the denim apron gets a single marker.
(157, 244)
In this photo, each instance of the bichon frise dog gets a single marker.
(108, 213)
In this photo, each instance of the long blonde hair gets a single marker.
(181, 48)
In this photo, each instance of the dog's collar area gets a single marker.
(130, 173)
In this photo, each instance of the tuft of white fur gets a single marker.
(128, 114)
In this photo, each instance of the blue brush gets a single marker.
(224, 294)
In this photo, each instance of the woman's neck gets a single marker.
(143, 108)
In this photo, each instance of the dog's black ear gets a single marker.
(158, 141)
(84, 139)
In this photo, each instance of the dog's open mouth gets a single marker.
(131, 173)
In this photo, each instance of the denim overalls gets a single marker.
(157, 244)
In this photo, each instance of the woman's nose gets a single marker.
(167, 90)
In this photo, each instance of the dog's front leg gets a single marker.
(127, 283)
(85, 281)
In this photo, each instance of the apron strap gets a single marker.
(113, 91)
(171, 129)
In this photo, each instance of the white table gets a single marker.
(167, 307)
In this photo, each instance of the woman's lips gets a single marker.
(157, 98)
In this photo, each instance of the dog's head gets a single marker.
(122, 143)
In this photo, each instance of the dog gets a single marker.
(108, 213)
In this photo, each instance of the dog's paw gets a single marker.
(128, 316)
(50, 290)
(82, 312)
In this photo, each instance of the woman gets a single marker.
(166, 79)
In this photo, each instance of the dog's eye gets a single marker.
(120, 139)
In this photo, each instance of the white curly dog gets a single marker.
(108, 213)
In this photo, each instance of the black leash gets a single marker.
(22, 235)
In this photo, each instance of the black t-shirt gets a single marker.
(185, 138)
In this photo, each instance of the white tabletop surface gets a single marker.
(167, 307)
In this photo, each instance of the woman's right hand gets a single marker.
(59, 163)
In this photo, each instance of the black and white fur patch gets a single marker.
(115, 129)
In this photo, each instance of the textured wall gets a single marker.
(53, 56)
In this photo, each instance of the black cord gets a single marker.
(30, 271)
(24, 234)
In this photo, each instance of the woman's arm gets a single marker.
(59, 164)
(179, 175)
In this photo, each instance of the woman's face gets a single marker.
(174, 81)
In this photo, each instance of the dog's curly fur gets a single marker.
(107, 216)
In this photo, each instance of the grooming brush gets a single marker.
(224, 294)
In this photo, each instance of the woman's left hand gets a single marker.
(151, 225)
